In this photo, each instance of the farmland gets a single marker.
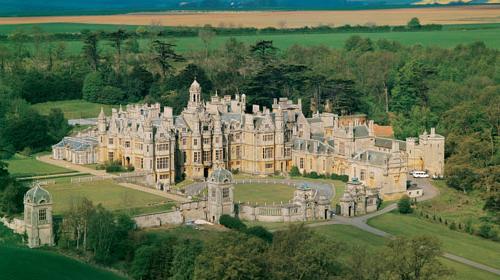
(261, 19)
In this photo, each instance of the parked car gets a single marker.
(420, 174)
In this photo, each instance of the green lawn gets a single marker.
(19, 263)
(109, 194)
(23, 166)
(74, 109)
(458, 243)
(263, 193)
(352, 235)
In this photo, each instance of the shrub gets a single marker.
(487, 232)
(232, 223)
(404, 205)
(130, 168)
(312, 175)
(343, 178)
(235, 171)
(260, 232)
(453, 226)
(114, 166)
(294, 172)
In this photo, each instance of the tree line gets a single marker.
(240, 252)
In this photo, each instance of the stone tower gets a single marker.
(38, 217)
(195, 95)
(101, 127)
(220, 195)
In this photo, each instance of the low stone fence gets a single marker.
(276, 213)
(15, 224)
(159, 219)
(90, 179)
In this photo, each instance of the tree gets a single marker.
(164, 55)
(295, 172)
(232, 256)
(57, 125)
(404, 205)
(410, 87)
(11, 198)
(92, 86)
(264, 51)
(111, 95)
(356, 43)
(206, 35)
(414, 23)
(101, 234)
(90, 49)
(298, 253)
(185, 254)
(232, 223)
(362, 264)
(117, 39)
(154, 260)
(416, 258)
(260, 232)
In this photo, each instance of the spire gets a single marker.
(102, 116)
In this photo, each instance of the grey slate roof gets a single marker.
(37, 195)
(387, 143)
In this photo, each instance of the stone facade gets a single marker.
(358, 199)
(221, 134)
(307, 205)
(38, 217)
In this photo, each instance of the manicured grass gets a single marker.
(454, 205)
(109, 194)
(74, 109)
(19, 262)
(24, 166)
(371, 242)
(351, 236)
(263, 193)
(458, 243)
(23, 263)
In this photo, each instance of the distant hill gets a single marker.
(67, 7)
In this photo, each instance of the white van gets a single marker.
(420, 174)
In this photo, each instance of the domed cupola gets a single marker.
(37, 195)
(221, 175)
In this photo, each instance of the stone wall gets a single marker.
(16, 225)
(271, 214)
(159, 219)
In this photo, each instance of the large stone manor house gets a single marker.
(220, 133)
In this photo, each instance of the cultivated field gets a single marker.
(109, 194)
(260, 19)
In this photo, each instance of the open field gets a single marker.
(23, 166)
(263, 193)
(109, 194)
(261, 19)
(74, 109)
(461, 244)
